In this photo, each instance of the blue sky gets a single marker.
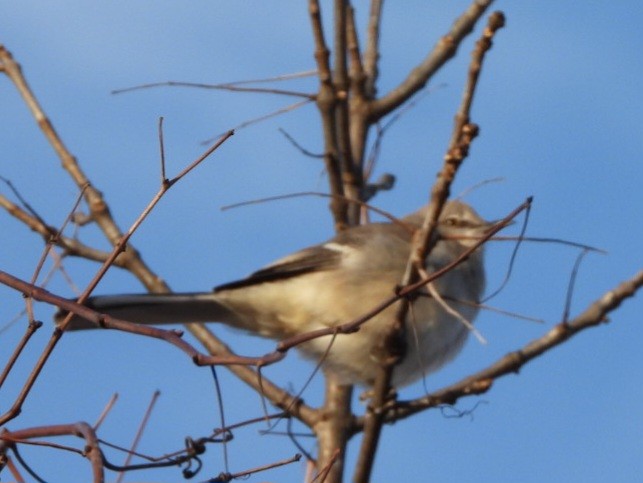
(559, 108)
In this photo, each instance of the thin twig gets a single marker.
(83, 430)
(570, 287)
(108, 407)
(139, 434)
(263, 117)
(372, 53)
(221, 410)
(303, 150)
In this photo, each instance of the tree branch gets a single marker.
(444, 50)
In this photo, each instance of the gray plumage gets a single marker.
(334, 283)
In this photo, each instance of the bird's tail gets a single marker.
(154, 309)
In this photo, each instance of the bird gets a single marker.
(334, 283)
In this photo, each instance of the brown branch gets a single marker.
(81, 429)
(139, 434)
(263, 117)
(357, 125)
(31, 329)
(374, 418)
(326, 100)
(223, 87)
(232, 86)
(356, 71)
(483, 45)
(108, 322)
(225, 477)
(372, 53)
(14, 471)
(325, 471)
(70, 246)
(98, 208)
(445, 49)
(463, 134)
(108, 407)
(511, 363)
(350, 167)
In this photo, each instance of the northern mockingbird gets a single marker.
(337, 282)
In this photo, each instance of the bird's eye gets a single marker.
(451, 221)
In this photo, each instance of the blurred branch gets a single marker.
(372, 54)
(326, 100)
(350, 166)
(445, 49)
(263, 117)
(233, 86)
(139, 434)
(83, 430)
(225, 87)
(70, 246)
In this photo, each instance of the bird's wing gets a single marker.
(348, 246)
(311, 259)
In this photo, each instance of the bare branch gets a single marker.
(139, 434)
(326, 99)
(372, 54)
(263, 117)
(445, 49)
(70, 246)
(232, 86)
(81, 429)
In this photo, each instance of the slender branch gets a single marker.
(263, 117)
(463, 134)
(350, 167)
(326, 100)
(357, 126)
(372, 53)
(444, 50)
(223, 87)
(389, 354)
(139, 434)
(81, 429)
(70, 246)
(31, 329)
(496, 21)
